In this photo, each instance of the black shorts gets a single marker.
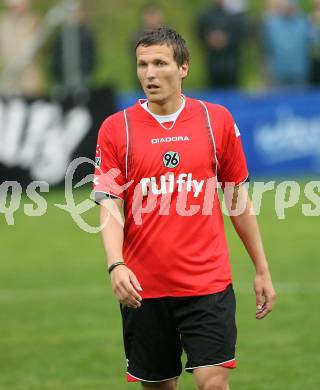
(156, 333)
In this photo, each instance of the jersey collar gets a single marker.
(145, 116)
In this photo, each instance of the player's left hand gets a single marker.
(265, 295)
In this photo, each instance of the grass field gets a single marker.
(60, 325)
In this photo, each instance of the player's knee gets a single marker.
(214, 383)
(167, 385)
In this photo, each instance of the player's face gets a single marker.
(159, 74)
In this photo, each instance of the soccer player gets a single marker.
(169, 265)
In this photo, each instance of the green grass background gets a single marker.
(115, 21)
(60, 324)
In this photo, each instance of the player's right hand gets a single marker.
(125, 287)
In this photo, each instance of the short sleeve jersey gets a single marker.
(174, 238)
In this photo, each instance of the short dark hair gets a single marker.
(166, 36)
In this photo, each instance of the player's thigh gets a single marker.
(171, 384)
(212, 378)
(208, 329)
(152, 342)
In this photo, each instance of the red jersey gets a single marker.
(174, 239)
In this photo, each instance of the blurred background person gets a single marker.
(286, 44)
(222, 32)
(152, 16)
(270, 7)
(237, 6)
(315, 44)
(18, 26)
(74, 55)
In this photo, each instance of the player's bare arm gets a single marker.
(125, 285)
(247, 228)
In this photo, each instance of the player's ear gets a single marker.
(184, 69)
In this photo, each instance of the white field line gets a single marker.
(65, 293)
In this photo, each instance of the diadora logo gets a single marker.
(169, 183)
(179, 138)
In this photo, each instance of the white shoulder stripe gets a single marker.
(127, 133)
(212, 136)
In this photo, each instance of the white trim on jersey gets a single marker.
(127, 133)
(165, 118)
(212, 136)
(243, 181)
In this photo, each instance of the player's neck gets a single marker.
(166, 108)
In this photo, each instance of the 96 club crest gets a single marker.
(171, 159)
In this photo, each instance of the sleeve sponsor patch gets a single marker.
(98, 156)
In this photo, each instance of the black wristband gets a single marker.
(114, 265)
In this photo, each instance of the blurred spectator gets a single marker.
(286, 43)
(74, 56)
(151, 17)
(237, 6)
(222, 34)
(18, 26)
(271, 7)
(315, 50)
